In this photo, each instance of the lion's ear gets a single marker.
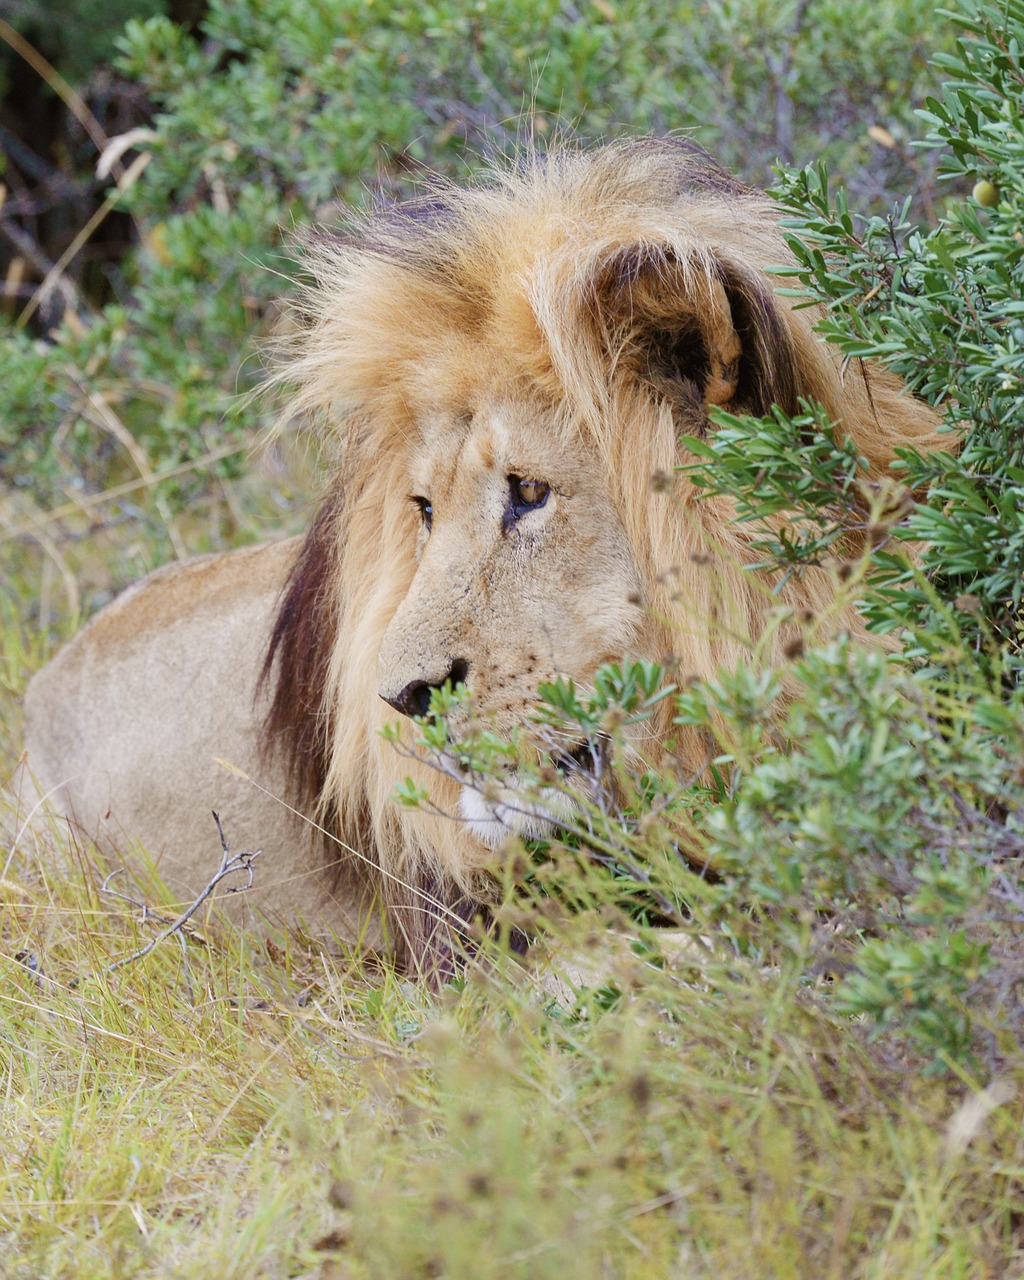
(697, 329)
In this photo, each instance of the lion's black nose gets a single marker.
(414, 699)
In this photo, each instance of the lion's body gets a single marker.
(508, 371)
(127, 725)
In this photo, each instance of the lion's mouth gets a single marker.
(585, 760)
(586, 757)
(536, 809)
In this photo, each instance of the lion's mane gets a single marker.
(603, 279)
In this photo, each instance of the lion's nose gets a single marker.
(414, 699)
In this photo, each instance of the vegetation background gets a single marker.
(825, 1079)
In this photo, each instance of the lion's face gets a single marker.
(523, 573)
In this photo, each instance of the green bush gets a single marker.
(946, 311)
(885, 846)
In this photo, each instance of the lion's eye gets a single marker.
(526, 495)
(426, 511)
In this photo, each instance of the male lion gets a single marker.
(506, 369)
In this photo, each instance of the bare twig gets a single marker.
(229, 864)
(780, 66)
(28, 247)
(57, 270)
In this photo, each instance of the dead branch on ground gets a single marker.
(230, 863)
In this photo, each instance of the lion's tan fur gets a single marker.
(126, 726)
(581, 312)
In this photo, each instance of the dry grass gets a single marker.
(244, 1110)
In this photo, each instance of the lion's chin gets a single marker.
(494, 811)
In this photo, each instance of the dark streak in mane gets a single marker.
(299, 656)
(416, 231)
(433, 918)
(699, 173)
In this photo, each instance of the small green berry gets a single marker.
(986, 193)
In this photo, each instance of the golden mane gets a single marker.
(590, 279)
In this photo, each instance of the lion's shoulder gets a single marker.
(177, 592)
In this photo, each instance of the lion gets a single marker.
(507, 370)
